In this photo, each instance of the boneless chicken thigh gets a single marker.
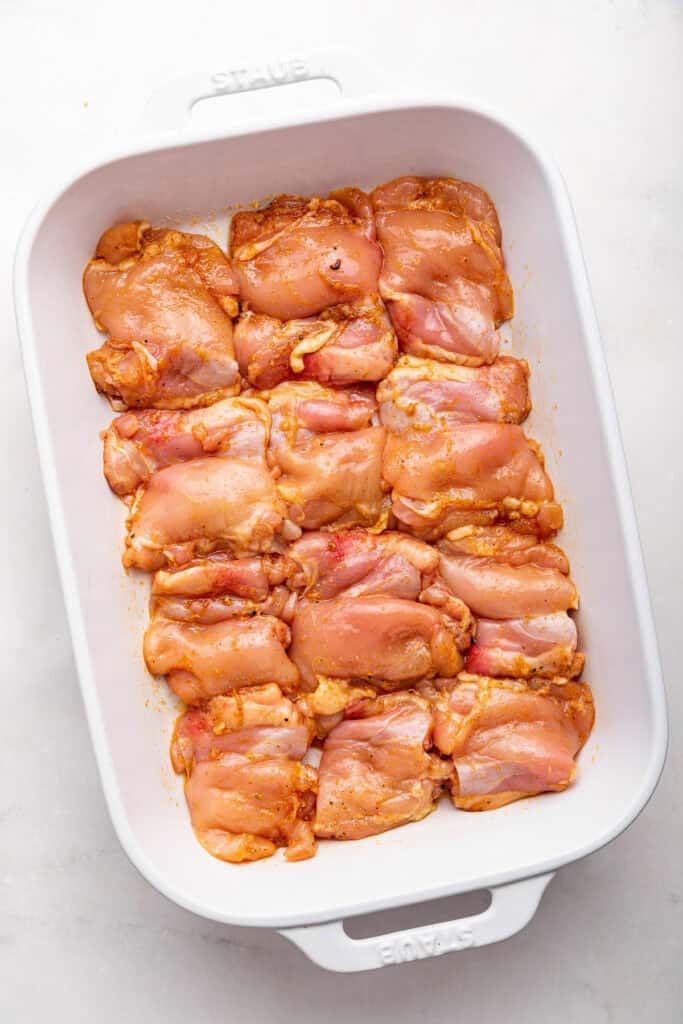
(375, 772)
(383, 640)
(521, 592)
(247, 790)
(190, 508)
(166, 301)
(219, 587)
(142, 441)
(309, 276)
(507, 739)
(443, 276)
(326, 451)
(455, 453)
(201, 661)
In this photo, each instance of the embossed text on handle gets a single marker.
(245, 79)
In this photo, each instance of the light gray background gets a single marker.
(82, 937)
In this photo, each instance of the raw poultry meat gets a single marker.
(455, 453)
(201, 661)
(372, 612)
(219, 587)
(142, 441)
(520, 591)
(420, 394)
(193, 508)
(508, 739)
(298, 256)
(476, 473)
(346, 344)
(443, 276)
(309, 275)
(247, 790)
(166, 301)
(327, 455)
(376, 772)
(365, 570)
(378, 639)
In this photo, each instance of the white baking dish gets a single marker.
(512, 851)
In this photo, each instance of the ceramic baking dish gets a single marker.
(182, 177)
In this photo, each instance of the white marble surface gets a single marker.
(82, 936)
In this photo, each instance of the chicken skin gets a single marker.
(166, 301)
(327, 455)
(443, 277)
(247, 790)
(201, 661)
(375, 772)
(507, 739)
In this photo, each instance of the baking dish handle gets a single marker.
(170, 106)
(512, 907)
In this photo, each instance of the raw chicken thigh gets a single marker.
(354, 553)
(443, 277)
(219, 587)
(327, 453)
(201, 661)
(247, 790)
(140, 442)
(309, 275)
(376, 772)
(520, 591)
(166, 301)
(509, 740)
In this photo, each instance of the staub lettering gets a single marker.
(421, 945)
(260, 78)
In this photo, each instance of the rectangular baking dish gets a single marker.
(179, 176)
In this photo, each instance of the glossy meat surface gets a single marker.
(443, 275)
(140, 442)
(509, 740)
(165, 300)
(327, 455)
(375, 773)
(193, 508)
(475, 473)
(219, 587)
(201, 661)
(346, 344)
(542, 645)
(298, 256)
(501, 574)
(421, 394)
(380, 639)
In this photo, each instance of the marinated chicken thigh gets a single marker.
(521, 591)
(219, 587)
(327, 455)
(247, 790)
(443, 275)
(201, 661)
(140, 442)
(166, 301)
(309, 274)
(375, 772)
(508, 739)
